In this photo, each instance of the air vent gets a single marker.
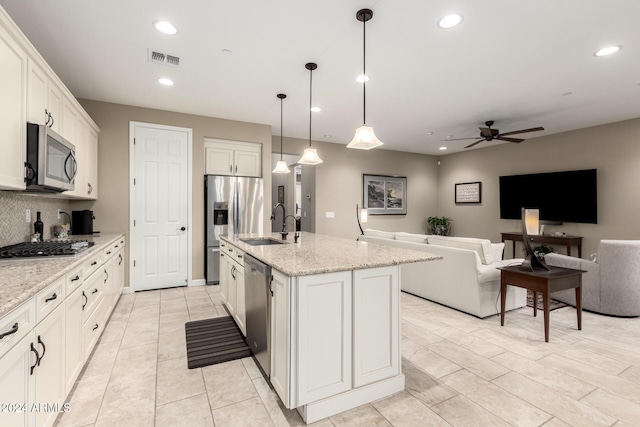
(163, 59)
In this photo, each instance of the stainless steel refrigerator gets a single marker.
(233, 206)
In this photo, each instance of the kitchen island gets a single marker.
(334, 317)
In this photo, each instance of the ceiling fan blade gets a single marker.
(477, 142)
(522, 131)
(486, 132)
(501, 138)
(457, 139)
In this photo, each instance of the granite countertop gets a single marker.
(318, 253)
(22, 278)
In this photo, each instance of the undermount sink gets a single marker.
(261, 242)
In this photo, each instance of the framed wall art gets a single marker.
(384, 195)
(468, 192)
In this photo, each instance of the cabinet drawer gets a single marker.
(118, 244)
(93, 293)
(230, 250)
(21, 320)
(238, 256)
(49, 298)
(93, 327)
(74, 279)
(91, 264)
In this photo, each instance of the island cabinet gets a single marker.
(232, 283)
(335, 339)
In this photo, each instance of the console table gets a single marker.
(566, 241)
(545, 281)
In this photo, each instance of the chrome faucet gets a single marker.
(284, 219)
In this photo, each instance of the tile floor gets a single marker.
(460, 371)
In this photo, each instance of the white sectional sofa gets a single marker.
(467, 277)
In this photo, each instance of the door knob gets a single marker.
(183, 228)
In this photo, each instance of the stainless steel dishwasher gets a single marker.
(257, 279)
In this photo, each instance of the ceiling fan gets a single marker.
(488, 134)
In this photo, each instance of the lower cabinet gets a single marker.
(232, 284)
(333, 333)
(74, 350)
(17, 383)
(224, 276)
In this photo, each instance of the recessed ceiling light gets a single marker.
(450, 21)
(449, 136)
(165, 82)
(165, 27)
(316, 109)
(327, 136)
(362, 78)
(429, 133)
(226, 52)
(607, 50)
(567, 93)
(442, 148)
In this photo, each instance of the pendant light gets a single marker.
(281, 166)
(364, 139)
(310, 155)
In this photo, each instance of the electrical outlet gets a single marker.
(28, 215)
(58, 213)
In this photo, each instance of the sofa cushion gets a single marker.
(481, 246)
(498, 251)
(379, 233)
(410, 237)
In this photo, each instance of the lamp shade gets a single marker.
(310, 157)
(364, 139)
(281, 167)
(532, 221)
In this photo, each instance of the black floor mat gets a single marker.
(212, 341)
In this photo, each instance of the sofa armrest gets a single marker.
(498, 251)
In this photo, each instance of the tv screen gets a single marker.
(569, 196)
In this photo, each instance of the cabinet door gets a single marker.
(241, 312)
(37, 90)
(118, 275)
(376, 294)
(247, 163)
(91, 161)
(16, 384)
(74, 354)
(280, 337)
(69, 118)
(218, 161)
(224, 277)
(54, 106)
(50, 376)
(323, 341)
(231, 291)
(13, 73)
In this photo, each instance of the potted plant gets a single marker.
(439, 225)
(541, 251)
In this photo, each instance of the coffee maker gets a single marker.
(82, 222)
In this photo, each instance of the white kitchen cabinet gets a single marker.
(241, 312)
(232, 158)
(49, 372)
(376, 356)
(91, 161)
(17, 384)
(45, 99)
(74, 350)
(69, 122)
(224, 273)
(232, 283)
(13, 87)
(281, 336)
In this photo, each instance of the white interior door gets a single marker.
(161, 206)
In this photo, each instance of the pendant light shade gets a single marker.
(281, 166)
(365, 138)
(310, 155)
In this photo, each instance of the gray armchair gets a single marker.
(611, 284)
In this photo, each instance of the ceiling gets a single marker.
(520, 63)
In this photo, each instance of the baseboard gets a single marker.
(197, 282)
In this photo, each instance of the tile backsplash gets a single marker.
(14, 227)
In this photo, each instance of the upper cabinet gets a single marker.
(232, 158)
(13, 123)
(31, 92)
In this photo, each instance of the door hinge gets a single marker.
(134, 262)
(134, 181)
(134, 141)
(134, 222)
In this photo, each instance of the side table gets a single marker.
(553, 280)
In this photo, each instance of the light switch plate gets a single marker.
(28, 215)
(330, 214)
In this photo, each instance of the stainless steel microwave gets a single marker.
(51, 164)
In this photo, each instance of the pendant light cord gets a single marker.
(310, 103)
(364, 72)
(281, 128)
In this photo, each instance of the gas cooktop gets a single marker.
(48, 248)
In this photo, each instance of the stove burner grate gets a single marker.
(48, 248)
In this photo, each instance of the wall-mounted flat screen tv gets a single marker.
(568, 196)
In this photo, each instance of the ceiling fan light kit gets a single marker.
(364, 138)
(310, 155)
